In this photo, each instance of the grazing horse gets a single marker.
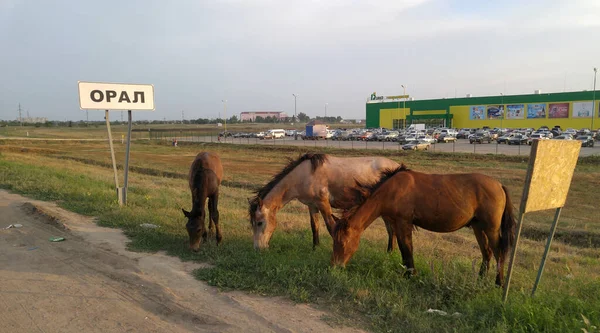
(317, 180)
(439, 203)
(205, 177)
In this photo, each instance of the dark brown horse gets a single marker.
(319, 181)
(205, 177)
(439, 203)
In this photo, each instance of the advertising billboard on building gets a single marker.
(558, 110)
(515, 111)
(536, 111)
(495, 111)
(582, 109)
(477, 112)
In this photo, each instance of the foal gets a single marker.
(205, 177)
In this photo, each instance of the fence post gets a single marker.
(453, 145)
(474, 145)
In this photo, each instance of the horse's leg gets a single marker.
(213, 202)
(326, 212)
(404, 237)
(391, 235)
(493, 236)
(314, 224)
(211, 222)
(486, 252)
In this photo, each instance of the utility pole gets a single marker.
(182, 117)
(404, 107)
(295, 96)
(87, 117)
(326, 110)
(225, 113)
(502, 111)
(20, 115)
(594, 99)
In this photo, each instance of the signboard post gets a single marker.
(549, 175)
(117, 96)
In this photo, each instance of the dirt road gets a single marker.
(91, 283)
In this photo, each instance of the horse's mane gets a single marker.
(363, 191)
(316, 160)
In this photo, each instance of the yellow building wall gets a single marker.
(461, 119)
(386, 116)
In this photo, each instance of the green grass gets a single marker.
(370, 292)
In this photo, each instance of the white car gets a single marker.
(426, 138)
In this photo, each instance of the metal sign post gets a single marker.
(117, 96)
(549, 175)
(126, 178)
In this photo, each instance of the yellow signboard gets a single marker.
(397, 97)
(551, 167)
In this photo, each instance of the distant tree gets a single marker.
(302, 117)
(233, 120)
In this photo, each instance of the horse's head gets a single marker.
(195, 228)
(263, 223)
(345, 242)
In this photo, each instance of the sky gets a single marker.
(257, 53)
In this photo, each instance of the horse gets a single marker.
(205, 177)
(317, 180)
(435, 202)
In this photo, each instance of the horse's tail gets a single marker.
(507, 226)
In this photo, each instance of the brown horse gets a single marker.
(439, 203)
(317, 180)
(205, 177)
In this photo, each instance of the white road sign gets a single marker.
(115, 96)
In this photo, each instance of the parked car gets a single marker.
(535, 137)
(518, 139)
(426, 138)
(389, 136)
(564, 137)
(505, 138)
(444, 137)
(416, 145)
(586, 140)
(363, 136)
(481, 137)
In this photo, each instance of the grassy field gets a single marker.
(370, 292)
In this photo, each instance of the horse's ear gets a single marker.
(336, 219)
(260, 203)
(186, 213)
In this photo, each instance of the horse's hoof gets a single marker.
(410, 272)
